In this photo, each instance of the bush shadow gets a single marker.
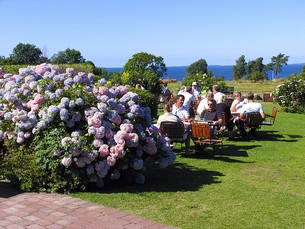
(177, 177)
(8, 190)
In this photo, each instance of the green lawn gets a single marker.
(242, 86)
(255, 184)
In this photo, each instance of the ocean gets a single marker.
(179, 72)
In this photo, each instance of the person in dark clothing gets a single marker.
(223, 107)
(211, 114)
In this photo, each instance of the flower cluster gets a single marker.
(291, 94)
(106, 131)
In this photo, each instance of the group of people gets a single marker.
(212, 107)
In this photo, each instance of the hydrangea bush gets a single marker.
(74, 132)
(291, 94)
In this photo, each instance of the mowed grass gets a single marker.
(253, 184)
(243, 86)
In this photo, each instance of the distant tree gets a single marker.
(69, 56)
(204, 81)
(198, 67)
(239, 69)
(256, 70)
(2, 60)
(115, 78)
(101, 72)
(145, 69)
(26, 54)
(277, 63)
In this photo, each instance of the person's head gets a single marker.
(179, 100)
(237, 95)
(211, 104)
(209, 95)
(194, 84)
(189, 89)
(250, 96)
(167, 107)
(223, 99)
(182, 88)
(215, 88)
(138, 86)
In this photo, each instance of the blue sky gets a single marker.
(109, 32)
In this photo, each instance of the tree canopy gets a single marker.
(277, 63)
(239, 69)
(146, 69)
(255, 69)
(197, 72)
(26, 54)
(198, 67)
(69, 56)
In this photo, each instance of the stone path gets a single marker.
(42, 210)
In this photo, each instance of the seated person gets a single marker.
(203, 105)
(165, 94)
(196, 89)
(251, 106)
(238, 102)
(189, 100)
(211, 114)
(178, 109)
(223, 107)
(169, 116)
(217, 93)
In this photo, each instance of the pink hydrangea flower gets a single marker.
(34, 107)
(94, 121)
(103, 150)
(111, 161)
(126, 127)
(39, 99)
(70, 71)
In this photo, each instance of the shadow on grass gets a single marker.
(175, 178)
(223, 153)
(272, 135)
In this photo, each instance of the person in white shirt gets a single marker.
(196, 89)
(169, 116)
(251, 106)
(178, 109)
(238, 102)
(217, 94)
(189, 100)
(182, 90)
(203, 105)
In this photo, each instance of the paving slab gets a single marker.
(58, 211)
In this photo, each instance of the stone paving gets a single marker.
(54, 211)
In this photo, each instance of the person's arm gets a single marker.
(261, 111)
(186, 114)
(233, 106)
(219, 119)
